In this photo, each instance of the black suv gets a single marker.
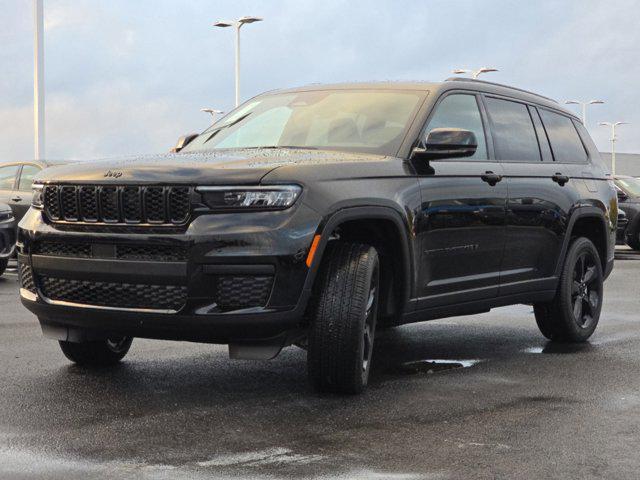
(313, 215)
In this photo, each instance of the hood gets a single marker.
(238, 167)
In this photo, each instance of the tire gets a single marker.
(343, 319)
(3, 265)
(633, 238)
(98, 354)
(572, 316)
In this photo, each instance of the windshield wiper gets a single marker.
(289, 147)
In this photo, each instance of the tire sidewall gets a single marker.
(577, 332)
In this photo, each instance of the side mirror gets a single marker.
(447, 143)
(183, 141)
(622, 196)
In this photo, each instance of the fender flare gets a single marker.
(579, 213)
(369, 212)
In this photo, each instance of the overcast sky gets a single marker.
(128, 76)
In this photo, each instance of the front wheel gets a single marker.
(572, 316)
(343, 324)
(99, 353)
(3, 265)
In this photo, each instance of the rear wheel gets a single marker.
(343, 324)
(99, 353)
(572, 316)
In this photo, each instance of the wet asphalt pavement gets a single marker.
(517, 408)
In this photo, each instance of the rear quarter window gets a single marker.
(563, 136)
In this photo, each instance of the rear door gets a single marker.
(461, 222)
(541, 194)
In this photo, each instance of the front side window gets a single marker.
(565, 142)
(514, 135)
(461, 111)
(26, 177)
(368, 121)
(8, 177)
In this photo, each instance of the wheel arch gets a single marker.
(381, 227)
(589, 222)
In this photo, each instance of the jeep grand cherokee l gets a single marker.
(312, 216)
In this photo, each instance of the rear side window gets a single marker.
(461, 111)
(565, 142)
(8, 177)
(514, 136)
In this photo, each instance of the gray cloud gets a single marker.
(129, 77)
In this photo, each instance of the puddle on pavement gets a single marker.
(430, 366)
(561, 348)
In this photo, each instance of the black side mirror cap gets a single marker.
(447, 143)
(183, 141)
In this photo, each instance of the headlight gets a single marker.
(37, 200)
(5, 215)
(272, 197)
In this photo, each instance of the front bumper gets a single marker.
(210, 294)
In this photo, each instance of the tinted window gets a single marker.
(461, 111)
(513, 132)
(543, 140)
(26, 177)
(8, 177)
(586, 139)
(565, 142)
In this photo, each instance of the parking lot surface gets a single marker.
(475, 397)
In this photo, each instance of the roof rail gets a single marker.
(464, 79)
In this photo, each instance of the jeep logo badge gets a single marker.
(113, 174)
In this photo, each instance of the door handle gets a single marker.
(490, 177)
(560, 179)
(16, 199)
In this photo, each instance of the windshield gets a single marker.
(631, 186)
(370, 121)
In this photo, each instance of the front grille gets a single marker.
(124, 205)
(150, 253)
(59, 249)
(114, 295)
(243, 291)
(26, 277)
(160, 253)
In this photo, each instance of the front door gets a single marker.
(461, 226)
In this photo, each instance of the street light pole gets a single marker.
(213, 112)
(474, 73)
(613, 142)
(38, 80)
(237, 24)
(584, 107)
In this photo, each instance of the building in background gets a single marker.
(626, 163)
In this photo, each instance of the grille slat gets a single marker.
(244, 291)
(118, 205)
(114, 295)
(150, 253)
(26, 277)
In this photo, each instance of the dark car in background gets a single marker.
(7, 236)
(311, 216)
(628, 190)
(15, 184)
